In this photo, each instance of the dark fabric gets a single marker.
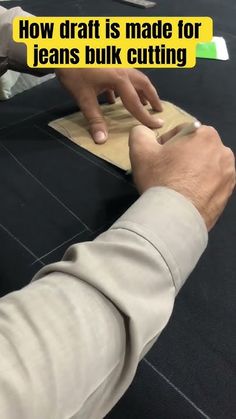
(54, 194)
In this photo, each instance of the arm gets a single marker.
(13, 54)
(71, 341)
(84, 85)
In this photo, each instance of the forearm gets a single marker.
(13, 55)
(71, 341)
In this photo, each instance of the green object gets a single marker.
(207, 50)
(214, 50)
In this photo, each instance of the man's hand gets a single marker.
(133, 87)
(198, 166)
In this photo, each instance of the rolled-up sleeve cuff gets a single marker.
(14, 52)
(172, 224)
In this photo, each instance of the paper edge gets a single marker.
(221, 47)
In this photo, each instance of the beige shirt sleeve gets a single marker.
(14, 53)
(71, 340)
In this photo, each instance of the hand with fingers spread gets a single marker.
(198, 166)
(133, 87)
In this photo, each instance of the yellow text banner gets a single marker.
(118, 42)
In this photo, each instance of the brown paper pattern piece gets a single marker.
(120, 122)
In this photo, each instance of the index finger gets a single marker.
(131, 101)
(142, 82)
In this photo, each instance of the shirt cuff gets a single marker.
(172, 224)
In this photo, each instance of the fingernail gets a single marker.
(100, 137)
(160, 121)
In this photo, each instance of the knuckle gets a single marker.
(146, 82)
(229, 152)
(230, 157)
(120, 72)
(121, 76)
(202, 131)
(210, 133)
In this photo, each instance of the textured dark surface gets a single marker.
(54, 194)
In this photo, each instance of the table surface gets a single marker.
(55, 194)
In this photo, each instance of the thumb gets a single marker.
(142, 145)
(90, 107)
(170, 134)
